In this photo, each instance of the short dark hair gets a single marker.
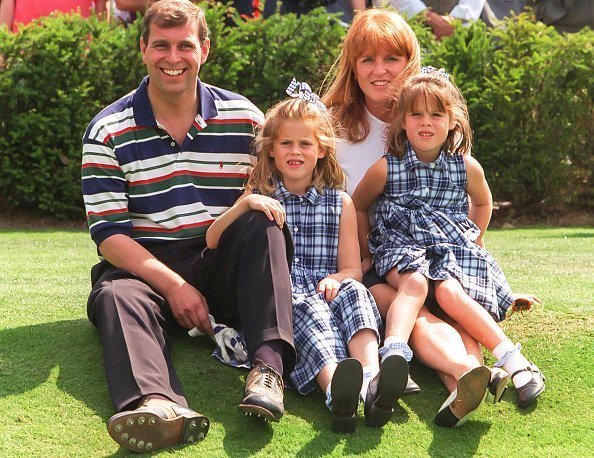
(174, 13)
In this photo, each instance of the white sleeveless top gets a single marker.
(356, 158)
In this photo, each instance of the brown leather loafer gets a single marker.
(263, 394)
(150, 428)
(528, 393)
(465, 399)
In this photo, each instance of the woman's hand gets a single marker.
(272, 208)
(524, 303)
(366, 264)
(329, 288)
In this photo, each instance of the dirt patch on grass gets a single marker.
(23, 219)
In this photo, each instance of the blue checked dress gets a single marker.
(422, 225)
(321, 330)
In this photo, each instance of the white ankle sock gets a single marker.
(512, 360)
(368, 373)
(394, 345)
(329, 396)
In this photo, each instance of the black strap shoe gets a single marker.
(345, 390)
(411, 388)
(528, 393)
(263, 394)
(384, 391)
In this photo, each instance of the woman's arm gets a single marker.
(349, 265)
(101, 8)
(131, 5)
(481, 201)
(368, 190)
(272, 208)
(6, 12)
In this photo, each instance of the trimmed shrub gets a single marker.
(58, 74)
(530, 96)
(529, 89)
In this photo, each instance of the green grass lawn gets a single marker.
(54, 400)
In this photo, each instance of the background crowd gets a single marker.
(566, 16)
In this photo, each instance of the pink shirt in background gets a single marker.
(26, 11)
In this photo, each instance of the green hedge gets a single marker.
(530, 93)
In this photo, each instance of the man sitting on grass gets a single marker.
(159, 165)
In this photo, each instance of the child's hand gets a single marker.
(329, 287)
(366, 264)
(272, 208)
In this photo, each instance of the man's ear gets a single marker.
(205, 48)
(142, 48)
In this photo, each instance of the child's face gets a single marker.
(427, 128)
(295, 151)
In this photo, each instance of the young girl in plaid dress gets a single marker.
(425, 235)
(298, 182)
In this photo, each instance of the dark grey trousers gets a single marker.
(246, 283)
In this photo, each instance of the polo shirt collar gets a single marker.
(143, 112)
(281, 194)
(411, 161)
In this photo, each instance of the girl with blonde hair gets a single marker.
(297, 181)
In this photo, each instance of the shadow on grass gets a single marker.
(29, 354)
(463, 441)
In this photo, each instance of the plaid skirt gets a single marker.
(323, 330)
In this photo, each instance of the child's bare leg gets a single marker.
(412, 289)
(468, 313)
(480, 325)
(363, 347)
(324, 377)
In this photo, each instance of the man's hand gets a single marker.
(189, 307)
(442, 26)
(329, 287)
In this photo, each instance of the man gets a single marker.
(439, 14)
(159, 165)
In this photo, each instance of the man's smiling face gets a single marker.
(173, 57)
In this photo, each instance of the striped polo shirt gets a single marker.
(138, 181)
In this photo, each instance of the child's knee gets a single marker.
(447, 291)
(416, 284)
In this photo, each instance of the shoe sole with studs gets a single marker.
(259, 412)
(146, 432)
